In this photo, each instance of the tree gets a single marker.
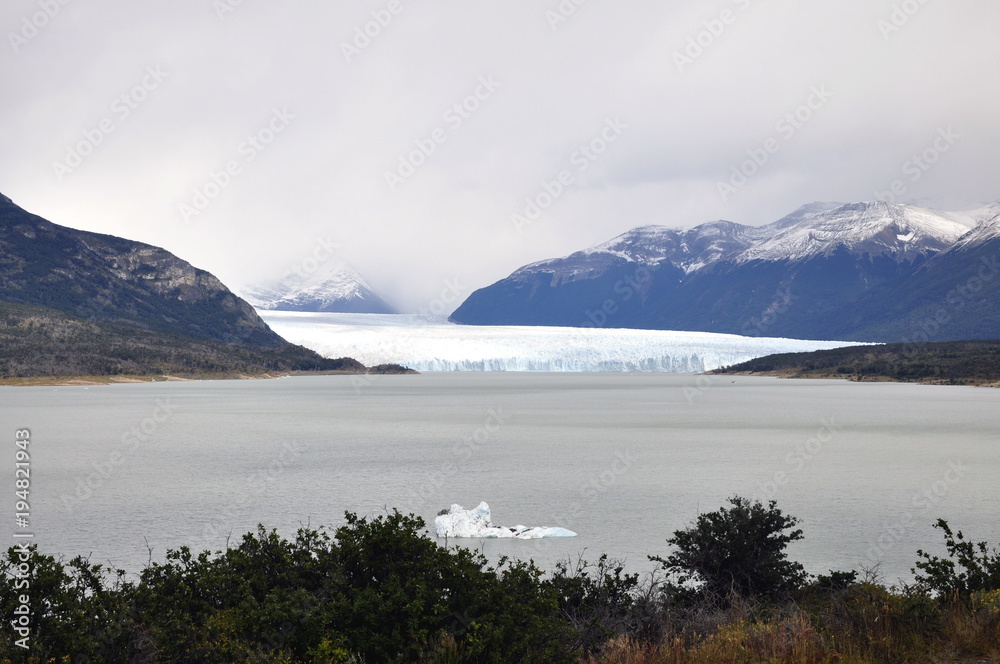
(977, 568)
(737, 550)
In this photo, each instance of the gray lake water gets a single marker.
(622, 459)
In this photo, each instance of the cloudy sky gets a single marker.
(440, 145)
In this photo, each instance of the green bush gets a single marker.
(969, 567)
(738, 551)
(377, 590)
(381, 590)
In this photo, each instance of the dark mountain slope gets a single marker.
(40, 342)
(868, 271)
(103, 278)
(76, 303)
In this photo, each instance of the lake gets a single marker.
(622, 459)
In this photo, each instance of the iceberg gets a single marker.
(428, 343)
(457, 521)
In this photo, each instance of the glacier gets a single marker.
(460, 522)
(428, 343)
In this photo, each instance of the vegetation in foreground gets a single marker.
(380, 590)
(947, 363)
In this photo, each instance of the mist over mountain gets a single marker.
(332, 287)
(869, 271)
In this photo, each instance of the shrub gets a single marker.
(598, 600)
(737, 551)
(968, 568)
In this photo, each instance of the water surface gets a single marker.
(623, 459)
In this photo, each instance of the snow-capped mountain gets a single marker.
(335, 287)
(876, 229)
(818, 273)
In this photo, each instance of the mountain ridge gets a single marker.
(802, 276)
(75, 302)
(112, 279)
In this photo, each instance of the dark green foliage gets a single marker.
(378, 590)
(601, 601)
(75, 608)
(395, 594)
(969, 567)
(390, 369)
(836, 580)
(954, 363)
(737, 551)
(381, 590)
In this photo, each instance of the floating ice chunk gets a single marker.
(460, 522)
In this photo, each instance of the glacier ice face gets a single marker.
(434, 344)
(460, 522)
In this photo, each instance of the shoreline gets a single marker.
(854, 378)
(90, 381)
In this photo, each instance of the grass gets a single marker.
(863, 624)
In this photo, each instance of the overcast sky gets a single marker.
(247, 136)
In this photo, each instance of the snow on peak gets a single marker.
(804, 212)
(647, 245)
(651, 245)
(988, 227)
(457, 521)
(331, 286)
(869, 227)
(815, 229)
